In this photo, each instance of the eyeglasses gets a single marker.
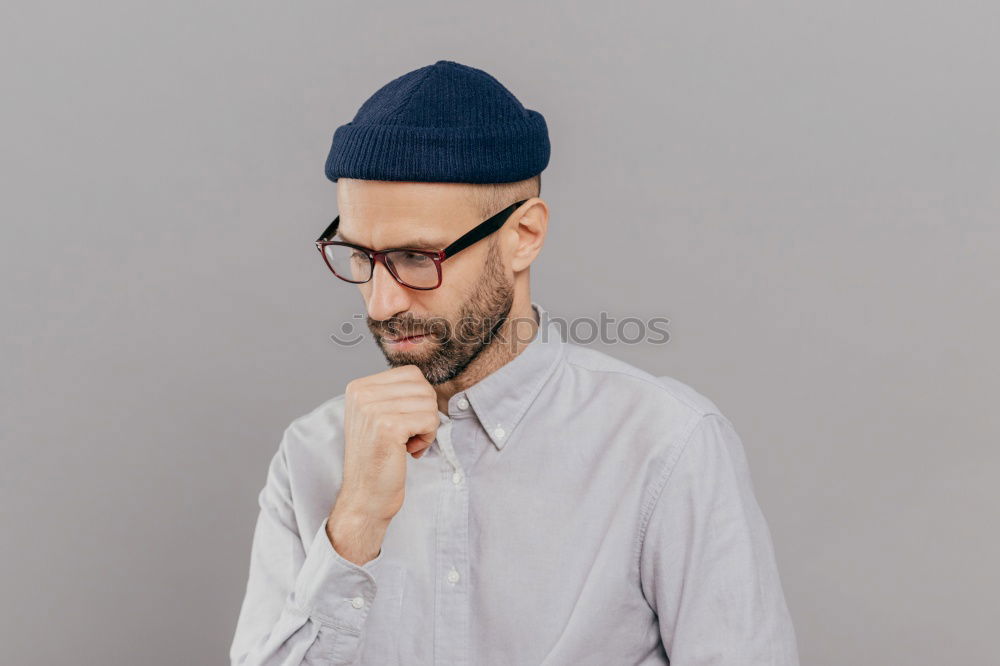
(416, 269)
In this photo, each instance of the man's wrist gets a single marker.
(354, 536)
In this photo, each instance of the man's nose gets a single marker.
(386, 297)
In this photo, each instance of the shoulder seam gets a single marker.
(680, 398)
(650, 503)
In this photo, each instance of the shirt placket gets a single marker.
(452, 622)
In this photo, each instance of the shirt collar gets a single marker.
(501, 399)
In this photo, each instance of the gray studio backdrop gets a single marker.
(810, 192)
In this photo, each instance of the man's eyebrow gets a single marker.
(419, 243)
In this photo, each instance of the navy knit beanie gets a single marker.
(445, 122)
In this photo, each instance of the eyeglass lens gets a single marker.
(353, 265)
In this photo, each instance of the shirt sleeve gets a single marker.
(303, 605)
(707, 564)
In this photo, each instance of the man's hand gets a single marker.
(386, 416)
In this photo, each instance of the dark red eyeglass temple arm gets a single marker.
(483, 230)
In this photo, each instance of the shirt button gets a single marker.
(456, 478)
(499, 433)
(462, 403)
(453, 576)
(357, 602)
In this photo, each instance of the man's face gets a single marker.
(458, 319)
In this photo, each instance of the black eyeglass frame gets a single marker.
(474, 235)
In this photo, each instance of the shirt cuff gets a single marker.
(333, 590)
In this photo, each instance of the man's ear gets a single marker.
(530, 227)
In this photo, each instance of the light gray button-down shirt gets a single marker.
(573, 510)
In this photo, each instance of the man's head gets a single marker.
(479, 284)
(430, 155)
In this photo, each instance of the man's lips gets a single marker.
(404, 337)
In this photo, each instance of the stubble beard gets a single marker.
(455, 345)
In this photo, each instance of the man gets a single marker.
(498, 495)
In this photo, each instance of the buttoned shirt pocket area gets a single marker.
(381, 631)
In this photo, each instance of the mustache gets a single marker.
(397, 328)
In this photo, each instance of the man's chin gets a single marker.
(413, 354)
(396, 360)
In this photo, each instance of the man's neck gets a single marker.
(514, 335)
